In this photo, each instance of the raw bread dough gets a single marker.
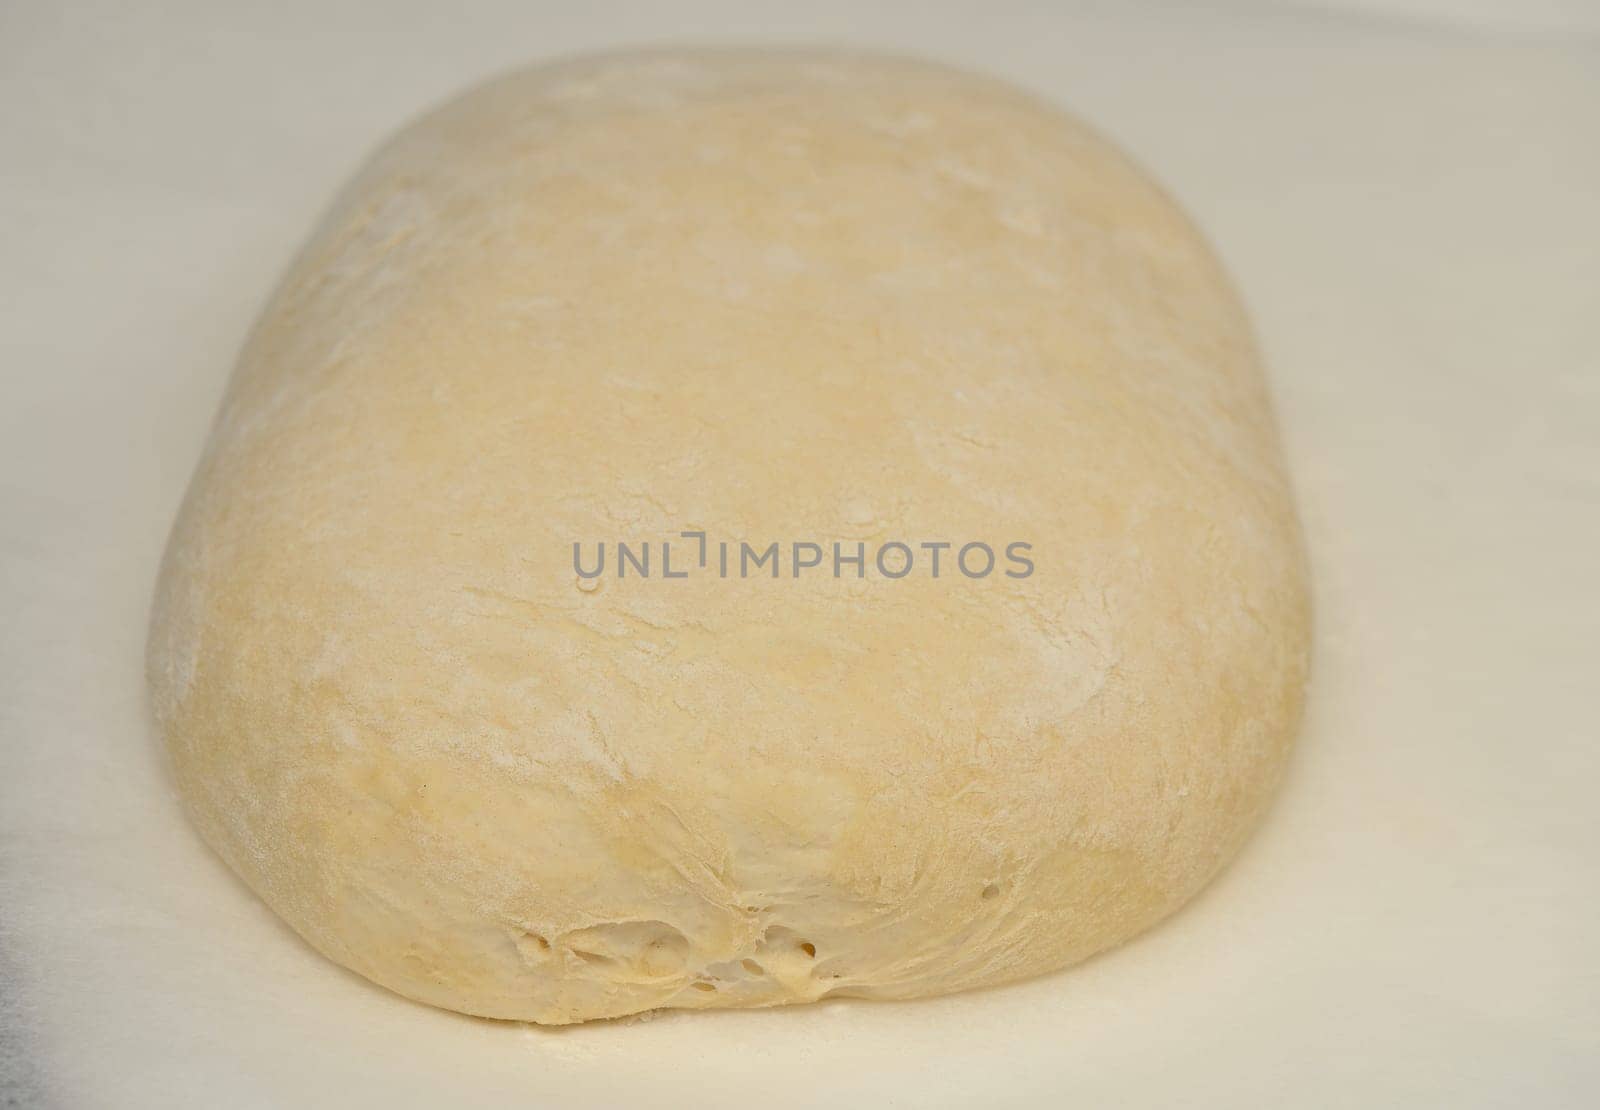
(774, 297)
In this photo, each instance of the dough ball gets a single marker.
(785, 298)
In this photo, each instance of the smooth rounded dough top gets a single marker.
(775, 296)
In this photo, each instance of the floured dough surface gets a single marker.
(771, 297)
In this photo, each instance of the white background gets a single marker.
(1407, 193)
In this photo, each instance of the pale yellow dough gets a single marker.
(777, 297)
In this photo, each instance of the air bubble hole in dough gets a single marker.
(766, 296)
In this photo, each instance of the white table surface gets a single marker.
(1411, 210)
